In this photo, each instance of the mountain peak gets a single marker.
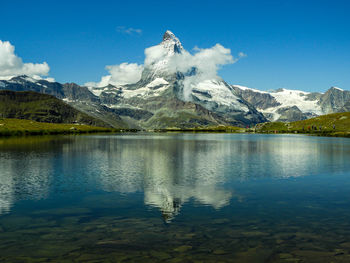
(168, 35)
(171, 42)
(19, 77)
(336, 88)
(22, 78)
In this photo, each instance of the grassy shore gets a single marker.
(18, 127)
(334, 125)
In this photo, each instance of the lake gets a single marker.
(175, 197)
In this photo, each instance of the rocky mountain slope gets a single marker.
(158, 99)
(294, 105)
(168, 96)
(78, 97)
(42, 108)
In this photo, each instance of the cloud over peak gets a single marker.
(163, 59)
(12, 65)
(122, 74)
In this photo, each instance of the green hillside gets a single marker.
(336, 124)
(42, 108)
(9, 127)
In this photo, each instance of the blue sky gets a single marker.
(289, 44)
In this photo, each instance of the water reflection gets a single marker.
(6, 191)
(25, 173)
(169, 169)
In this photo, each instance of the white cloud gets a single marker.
(122, 74)
(155, 54)
(129, 30)
(12, 65)
(206, 62)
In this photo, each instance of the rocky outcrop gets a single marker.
(333, 100)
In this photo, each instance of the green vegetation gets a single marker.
(15, 127)
(336, 124)
(34, 106)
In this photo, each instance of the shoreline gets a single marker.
(24, 133)
(21, 127)
(318, 134)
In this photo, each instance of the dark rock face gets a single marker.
(74, 92)
(334, 100)
(258, 99)
(314, 96)
(69, 91)
(21, 83)
(289, 114)
(346, 107)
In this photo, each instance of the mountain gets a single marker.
(333, 124)
(159, 99)
(334, 99)
(78, 97)
(170, 94)
(293, 105)
(25, 83)
(42, 108)
(346, 107)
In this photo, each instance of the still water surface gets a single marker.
(175, 198)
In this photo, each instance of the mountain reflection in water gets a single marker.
(170, 170)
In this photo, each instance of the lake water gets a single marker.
(175, 198)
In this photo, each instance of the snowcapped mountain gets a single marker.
(176, 91)
(292, 105)
(78, 97)
(172, 95)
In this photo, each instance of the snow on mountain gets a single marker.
(246, 88)
(6, 77)
(154, 88)
(276, 104)
(158, 61)
(217, 93)
(289, 98)
(172, 43)
(97, 91)
(168, 61)
(338, 88)
(157, 82)
(171, 74)
(291, 105)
